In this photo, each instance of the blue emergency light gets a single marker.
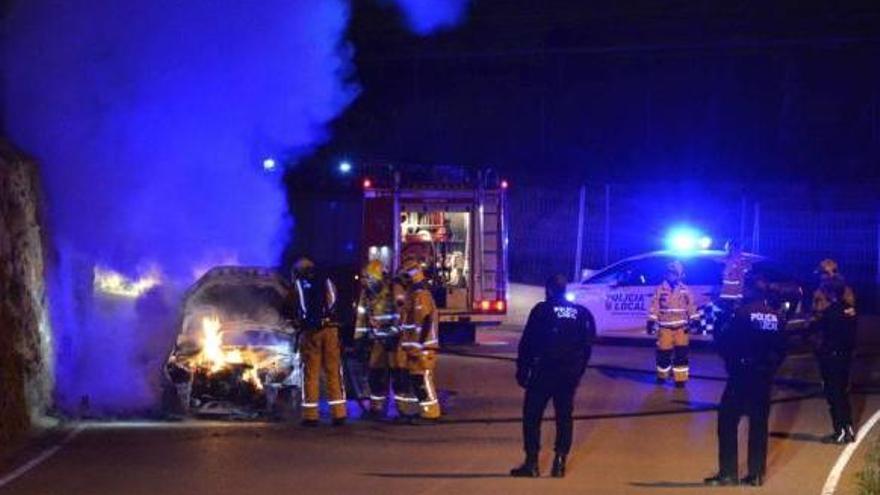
(269, 164)
(685, 239)
(345, 167)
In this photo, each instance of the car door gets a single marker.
(628, 300)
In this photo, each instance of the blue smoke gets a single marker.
(428, 16)
(152, 120)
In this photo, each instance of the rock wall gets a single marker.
(26, 376)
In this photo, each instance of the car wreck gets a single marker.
(236, 352)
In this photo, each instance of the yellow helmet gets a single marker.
(374, 270)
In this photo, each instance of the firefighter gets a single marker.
(833, 326)
(419, 338)
(553, 354)
(736, 265)
(378, 323)
(316, 322)
(671, 314)
(753, 347)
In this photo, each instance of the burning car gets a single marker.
(236, 351)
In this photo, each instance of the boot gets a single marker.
(836, 438)
(680, 384)
(338, 422)
(309, 423)
(753, 480)
(849, 434)
(528, 469)
(721, 480)
(558, 470)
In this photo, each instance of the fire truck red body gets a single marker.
(454, 222)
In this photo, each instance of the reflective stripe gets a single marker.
(673, 310)
(730, 282)
(676, 323)
(431, 342)
(849, 311)
(309, 404)
(336, 402)
(405, 399)
(731, 296)
(428, 403)
(332, 290)
(386, 317)
(652, 317)
(664, 370)
(695, 316)
(361, 330)
(680, 369)
(429, 385)
(409, 327)
(302, 297)
(411, 344)
(376, 398)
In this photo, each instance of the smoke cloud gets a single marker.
(152, 120)
(428, 16)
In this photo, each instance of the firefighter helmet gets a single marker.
(675, 267)
(374, 270)
(827, 267)
(303, 267)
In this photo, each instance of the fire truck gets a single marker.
(453, 220)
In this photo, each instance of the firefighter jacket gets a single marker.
(755, 337)
(315, 303)
(834, 317)
(558, 337)
(419, 320)
(735, 269)
(673, 307)
(377, 315)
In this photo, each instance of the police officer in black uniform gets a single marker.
(553, 355)
(753, 346)
(833, 326)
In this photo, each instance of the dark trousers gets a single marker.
(747, 394)
(542, 388)
(835, 368)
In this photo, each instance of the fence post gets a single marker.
(756, 229)
(579, 244)
(607, 222)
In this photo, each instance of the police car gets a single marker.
(618, 297)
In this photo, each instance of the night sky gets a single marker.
(621, 91)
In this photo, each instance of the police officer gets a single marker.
(833, 324)
(670, 317)
(553, 353)
(752, 346)
(419, 339)
(318, 327)
(378, 324)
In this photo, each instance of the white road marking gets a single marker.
(43, 457)
(843, 460)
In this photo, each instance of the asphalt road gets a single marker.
(632, 436)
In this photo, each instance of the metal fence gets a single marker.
(796, 225)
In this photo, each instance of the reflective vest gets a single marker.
(673, 307)
(735, 269)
